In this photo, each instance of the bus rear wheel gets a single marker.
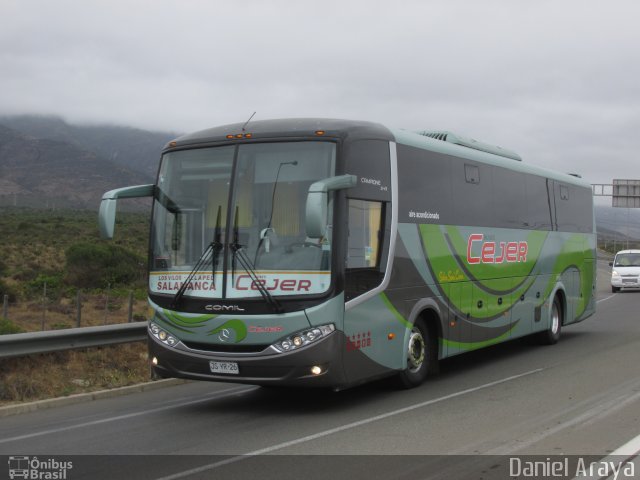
(552, 334)
(419, 356)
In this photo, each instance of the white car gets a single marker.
(626, 270)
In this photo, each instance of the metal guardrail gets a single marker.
(21, 344)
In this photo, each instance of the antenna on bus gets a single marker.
(247, 122)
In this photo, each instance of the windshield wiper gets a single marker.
(216, 246)
(211, 253)
(240, 255)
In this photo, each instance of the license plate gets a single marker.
(224, 367)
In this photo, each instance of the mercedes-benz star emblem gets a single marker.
(225, 335)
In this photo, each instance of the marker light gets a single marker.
(303, 338)
(239, 135)
(320, 132)
(154, 360)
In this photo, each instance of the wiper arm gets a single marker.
(211, 253)
(202, 261)
(240, 255)
(216, 246)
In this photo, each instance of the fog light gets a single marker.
(316, 370)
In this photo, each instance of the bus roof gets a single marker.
(418, 140)
(288, 127)
(356, 130)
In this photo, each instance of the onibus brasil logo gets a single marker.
(38, 469)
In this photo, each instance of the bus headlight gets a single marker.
(303, 338)
(614, 273)
(162, 335)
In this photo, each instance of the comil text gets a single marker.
(495, 252)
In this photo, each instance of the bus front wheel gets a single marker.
(419, 356)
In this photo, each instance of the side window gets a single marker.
(364, 252)
(573, 208)
(365, 227)
(509, 207)
(539, 204)
(472, 194)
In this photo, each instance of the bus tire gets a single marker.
(419, 354)
(552, 334)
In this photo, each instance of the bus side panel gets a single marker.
(374, 330)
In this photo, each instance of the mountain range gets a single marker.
(46, 162)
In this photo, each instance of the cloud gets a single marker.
(555, 81)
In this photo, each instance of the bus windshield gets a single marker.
(229, 221)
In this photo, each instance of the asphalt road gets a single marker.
(580, 397)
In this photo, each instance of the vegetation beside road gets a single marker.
(62, 250)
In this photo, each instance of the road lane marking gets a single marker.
(589, 416)
(629, 449)
(621, 456)
(349, 426)
(222, 394)
(606, 298)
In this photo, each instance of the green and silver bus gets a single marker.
(327, 253)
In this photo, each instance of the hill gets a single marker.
(129, 147)
(46, 162)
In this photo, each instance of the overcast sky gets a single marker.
(556, 81)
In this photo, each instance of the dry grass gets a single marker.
(32, 316)
(60, 374)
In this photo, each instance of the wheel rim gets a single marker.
(416, 350)
(555, 318)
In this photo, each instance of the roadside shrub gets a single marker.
(5, 289)
(95, 265)
(35, 287)
(7, 327)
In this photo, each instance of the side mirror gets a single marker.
(317, 200)
(107, 215)
(611, 264)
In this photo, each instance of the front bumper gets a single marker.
(625, 282)
(267, 368)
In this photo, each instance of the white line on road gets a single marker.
(617, 459)
(222, 394)
(342, 428)
(606, 298)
